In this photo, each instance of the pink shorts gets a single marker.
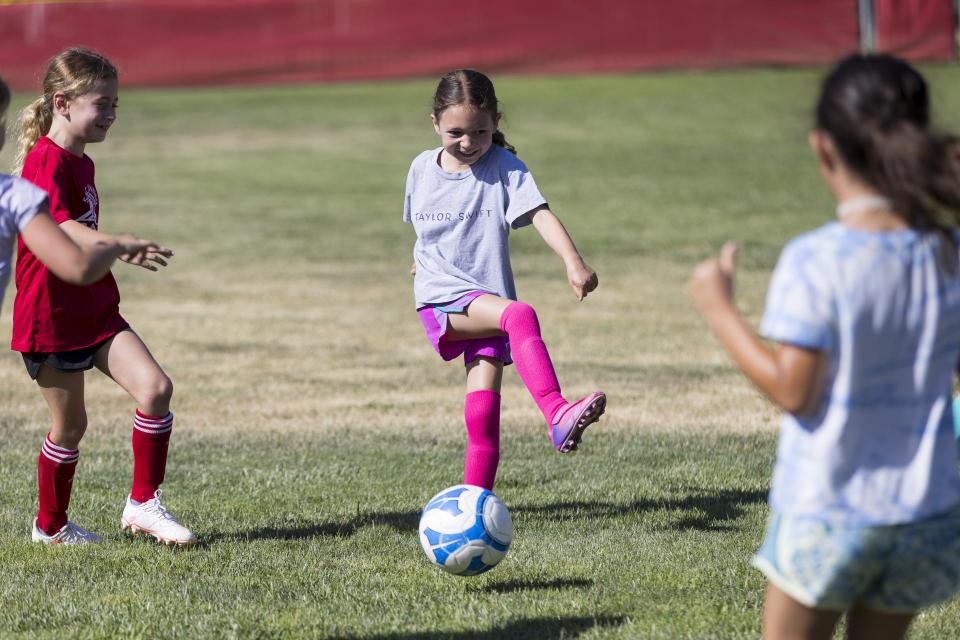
(434, 319)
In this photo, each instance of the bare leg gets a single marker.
(484, 374)
(490, 315)
(129, 363)
(63, 392)
(869, 624)
(786, 619)
(126, 359)
(481, 319)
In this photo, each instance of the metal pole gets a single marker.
(868, 26)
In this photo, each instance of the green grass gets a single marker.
(313, 420)
(320, 540)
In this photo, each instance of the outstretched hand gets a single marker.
(582, 279)
(143, 253)
(711, 284)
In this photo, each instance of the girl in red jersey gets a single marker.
(63, 330)
(23, 211)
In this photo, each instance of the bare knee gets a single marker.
(67, 431)
(154, 395)
(484, 374)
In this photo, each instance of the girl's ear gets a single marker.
(824, 149)
(61, 104)
(436, 123)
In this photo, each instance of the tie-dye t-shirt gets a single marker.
(19, 202)
(885, 309)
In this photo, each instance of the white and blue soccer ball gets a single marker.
(465, 530)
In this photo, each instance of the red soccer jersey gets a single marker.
(50, 315)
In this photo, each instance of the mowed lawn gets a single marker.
(314, 420)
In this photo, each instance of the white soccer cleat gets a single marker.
(68, 534)
(153, 519)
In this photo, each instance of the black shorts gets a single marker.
(77, 360)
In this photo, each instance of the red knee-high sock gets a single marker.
(55, 468)
(481, 411)
(519, 321)
(151, 437)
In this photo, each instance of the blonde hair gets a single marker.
(72, 72)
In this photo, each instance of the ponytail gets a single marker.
(501, 141)
(876, 109)
(918, 171)
(35, 120)
(71, 72)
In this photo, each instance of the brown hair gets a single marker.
(73, 73)
(470, 87)
(4, 96)
(876, 109)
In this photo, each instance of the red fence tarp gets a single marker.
(916, 29)
(192, 42)
(184, 42)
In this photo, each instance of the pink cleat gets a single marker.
(570, 421)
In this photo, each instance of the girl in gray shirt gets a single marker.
(463, 199)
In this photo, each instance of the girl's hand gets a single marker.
(582, 278)
(711, 285)
(142, 253)
(413, 269)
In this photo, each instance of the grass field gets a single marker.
(314, 421)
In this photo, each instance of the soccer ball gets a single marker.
(465, 530)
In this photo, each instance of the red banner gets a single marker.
(203, 42)
(916, 29)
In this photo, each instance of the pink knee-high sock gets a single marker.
(481, 411)
(55, 468)
(151, 437)
(530, 356)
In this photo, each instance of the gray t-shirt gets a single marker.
(19, 202)
(462, 221)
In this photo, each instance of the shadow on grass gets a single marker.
(705, 511)
(399, 520)
(531, 585)
(538, 628)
